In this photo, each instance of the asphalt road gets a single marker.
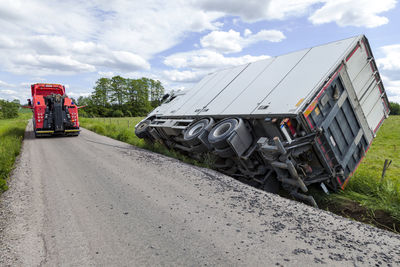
(91, 200)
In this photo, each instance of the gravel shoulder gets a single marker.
(91, 200)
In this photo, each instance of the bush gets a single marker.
(117, 113)
(394, 108)
(128, 113)
(8, 110)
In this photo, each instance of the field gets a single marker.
(366, 198)
(11, 135)
(380, 196)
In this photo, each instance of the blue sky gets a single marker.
(177, 42)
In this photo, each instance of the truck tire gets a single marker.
(141, 130)
(194, 130)
(220, 133)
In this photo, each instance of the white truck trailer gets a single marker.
(298, 119)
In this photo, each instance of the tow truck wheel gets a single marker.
(191, 134)
(141, 130)
(220, 133)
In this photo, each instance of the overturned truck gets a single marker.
(303, 118)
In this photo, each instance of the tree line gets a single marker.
(119, 97)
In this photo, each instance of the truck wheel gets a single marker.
(141, 130)
(218, 135)
(195, 129)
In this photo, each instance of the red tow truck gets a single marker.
(54, 113)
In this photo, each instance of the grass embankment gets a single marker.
(123, 129)
(11, 135)
(366, 198)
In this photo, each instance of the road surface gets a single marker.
(91, 200)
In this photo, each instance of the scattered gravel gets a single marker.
(91, 200)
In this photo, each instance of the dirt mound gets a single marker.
(354, 210)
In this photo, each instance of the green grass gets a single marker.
(364, 188)
(11, 135)
(123, 129)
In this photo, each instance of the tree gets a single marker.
(156, 92)
(138, 93)
(101, 92)
(118, 89)
(394, 108)
(122, 96)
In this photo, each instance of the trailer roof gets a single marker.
(278, 85)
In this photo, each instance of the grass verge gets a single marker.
(11, 135)
(123, 129)
(367, 197)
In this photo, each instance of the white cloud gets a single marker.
(185, 76)
(42, 55)
(118, 35)
(392, 88)
(255, 10)
(52, 62)
(5, 84)
(358, 13)
(129, 61)
(149, 27)
(207, 59)
(106, 74)
(45, 37)
(231, 41)
(391, 61)
(8, 92)
(192, 66)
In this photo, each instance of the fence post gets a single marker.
(385, 167)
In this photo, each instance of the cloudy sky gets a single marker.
(177, 41)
